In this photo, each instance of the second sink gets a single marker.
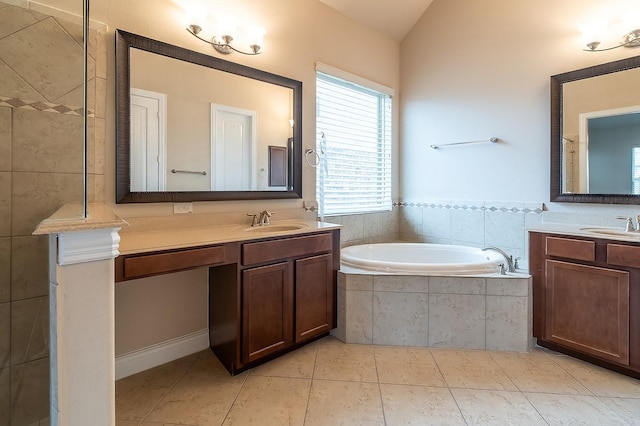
(612, 231)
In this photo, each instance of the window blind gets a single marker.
(353, 125)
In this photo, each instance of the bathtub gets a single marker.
(421, 259)
(432, 295)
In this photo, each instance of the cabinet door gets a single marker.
(587, 309)
(314, 296)
(267, 310)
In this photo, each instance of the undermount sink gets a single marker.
(612, 231)
(276, 228)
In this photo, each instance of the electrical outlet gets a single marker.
(182, 208)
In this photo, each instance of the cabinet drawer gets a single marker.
(618, 254)
(152, 264)
(268, 251)
(571, 249)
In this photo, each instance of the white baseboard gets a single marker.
(161, 353)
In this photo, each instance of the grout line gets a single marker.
(226, 416)
(375, 364)
(313, 374)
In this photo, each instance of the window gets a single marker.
(353, 122)
(635, 170)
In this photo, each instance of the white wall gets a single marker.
(471, 70)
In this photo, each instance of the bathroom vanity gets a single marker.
(271, 288)
(586, 295)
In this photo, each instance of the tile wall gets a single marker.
(470, 223)
(41, 166)
(367, 228)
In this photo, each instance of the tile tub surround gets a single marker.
(487, 313)
(474, 223)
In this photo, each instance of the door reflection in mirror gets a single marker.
(233, 149)
(148, 140)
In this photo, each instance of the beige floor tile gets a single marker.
(299, 363)
(471, 369)
(270, 401)
(159, 424)
(482, 407)
(207, 362)
(199, 398)
(197, 390)
(345, 362)
(600, 381)
(627, 408)
(419, 405)
(409, 366)
(573, 409)
(538, 372)
(344, 403)
(156, 424)
(137, 395)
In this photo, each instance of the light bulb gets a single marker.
(195, 14)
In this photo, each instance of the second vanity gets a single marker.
(586, 294)
(272, 288)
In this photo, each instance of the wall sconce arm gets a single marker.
(222, 43)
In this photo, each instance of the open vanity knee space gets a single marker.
(269, 291)
(586, 298)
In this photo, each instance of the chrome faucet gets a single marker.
(508, 258)
(264, 217)
(629, 227)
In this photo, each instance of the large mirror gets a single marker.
(595, 134)
(192, 127)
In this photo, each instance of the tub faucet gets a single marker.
(508, 258)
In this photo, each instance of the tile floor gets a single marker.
(332, 383)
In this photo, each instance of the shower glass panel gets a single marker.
(42, 167)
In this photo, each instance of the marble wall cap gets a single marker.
(69, 218)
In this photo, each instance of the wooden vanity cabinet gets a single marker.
(314, 297)
(267, 310)
(283, 294)
(586, 298)
(266, 295)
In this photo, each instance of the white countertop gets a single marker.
(591, 231)
(132, 241)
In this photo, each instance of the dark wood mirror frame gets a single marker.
(556, 133)
(125, 41)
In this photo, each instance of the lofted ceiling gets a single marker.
(393, 18)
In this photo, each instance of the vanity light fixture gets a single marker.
(631, 39)
(222, 42)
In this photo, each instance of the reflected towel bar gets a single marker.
(492, 140)
(188, 171)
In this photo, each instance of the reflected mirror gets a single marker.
(192, 127)
(595, 134)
